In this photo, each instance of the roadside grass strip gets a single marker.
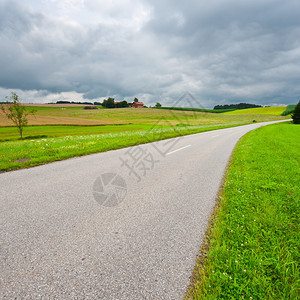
(27, 153)
(251, 248)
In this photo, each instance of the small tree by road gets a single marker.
(296, 114)
(16, 112)
(157, 105)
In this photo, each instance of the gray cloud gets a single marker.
(220, 51)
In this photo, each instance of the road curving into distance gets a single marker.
(124, 224)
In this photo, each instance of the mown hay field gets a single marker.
(128, 116)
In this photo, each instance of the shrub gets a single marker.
(90, 107)
(289, 109)
(296, 114)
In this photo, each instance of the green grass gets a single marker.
(31, 152)
(289, 109)
(276, 111)
(59, 121)
(130, 116)
(253, 248)
(33, 132)
(47, 108)
(197, 109)
(101, 130)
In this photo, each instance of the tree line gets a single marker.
(237, 106)
(108, 103)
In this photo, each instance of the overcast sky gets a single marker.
(221, 51)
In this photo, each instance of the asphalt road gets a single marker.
(125, 224)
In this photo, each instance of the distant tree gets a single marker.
(109, 103)
(124, 103)
(157, 105)
(136, 100)
(90, 107)
(73, 102)
(237, 106)
(104, 103)
(16, 112)
(296, 114)
(63, 102)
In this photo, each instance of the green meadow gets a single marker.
(251, 248)
(275, 111)
(57, 133)
(18, 154)
(46, 131)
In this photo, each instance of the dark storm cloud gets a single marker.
(244, 47)
(220, 51)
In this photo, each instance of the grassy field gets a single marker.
(124, 118)
(252, 250)
(32, 152)
(46, 131)
(79, 132)
(275, 111)
(217, 111)
(129, 116)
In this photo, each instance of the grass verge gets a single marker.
(32, 152)
(33, 132)
(252, 249)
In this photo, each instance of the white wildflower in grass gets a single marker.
(244, 270)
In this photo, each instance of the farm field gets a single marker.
(125, 118)
(252, 249)
(275, 111)
(57, 133)
(44, 131)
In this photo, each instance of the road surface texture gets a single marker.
(125, 224)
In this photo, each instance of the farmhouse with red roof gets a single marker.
(137, 104)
